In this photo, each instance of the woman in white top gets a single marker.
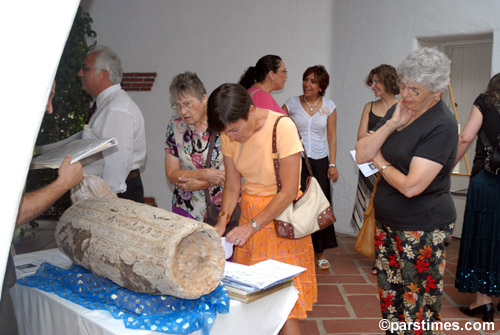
(316, 120)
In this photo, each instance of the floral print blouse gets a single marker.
(191, 147)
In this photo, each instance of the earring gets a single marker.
(436, 99)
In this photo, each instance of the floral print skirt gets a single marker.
(265, 244)
(410, 273)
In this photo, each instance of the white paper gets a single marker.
(261, 275)
(367, 169)
(27, 264)
(41, 149)
(78, 149)
(228, 247)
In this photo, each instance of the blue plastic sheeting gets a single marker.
(160, 313)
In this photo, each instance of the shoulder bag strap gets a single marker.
(208, 163)
(276, 162)
(257, 90)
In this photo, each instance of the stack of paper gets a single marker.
(78, 149)
(248, 283)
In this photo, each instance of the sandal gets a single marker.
(323, 264)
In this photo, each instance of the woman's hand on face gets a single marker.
(401, 115)
(240, 235)
(333, 173)
(216, 176)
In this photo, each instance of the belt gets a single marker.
(133, 174)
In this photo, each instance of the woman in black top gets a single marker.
(382, 80)
(414, 146)
(478, 269)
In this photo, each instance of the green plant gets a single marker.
(71, 104)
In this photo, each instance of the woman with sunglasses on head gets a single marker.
(383, 82)
(269, 74)
(414, 147)
(316, 120)
(186, 148)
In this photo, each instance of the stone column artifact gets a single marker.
(142, 248)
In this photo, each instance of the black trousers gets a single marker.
(135, 190)
(325, 238)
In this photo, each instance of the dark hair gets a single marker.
(321, 75)
(492, 93)
(257, 73)
(228, 103)
(387, 75)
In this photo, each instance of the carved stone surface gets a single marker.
(142, 248)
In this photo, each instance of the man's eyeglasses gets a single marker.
(411, 89)
(86, 68)
(187, 105)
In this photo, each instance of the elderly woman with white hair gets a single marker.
(414, 146)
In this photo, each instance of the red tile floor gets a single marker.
(348, 296)
(347, 292)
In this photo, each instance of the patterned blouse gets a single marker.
(191, 147)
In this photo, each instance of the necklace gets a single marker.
(311, 107)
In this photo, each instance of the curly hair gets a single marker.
(388, 77)
(187, 82)
(492, 93)
(426, 66)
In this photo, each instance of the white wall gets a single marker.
(216, 39)
(368, 33)
(220, 38)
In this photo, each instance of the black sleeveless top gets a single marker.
(372, 119)
(491, 127)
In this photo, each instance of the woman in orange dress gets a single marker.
(246, 145)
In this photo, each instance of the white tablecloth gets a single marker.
(43, 313)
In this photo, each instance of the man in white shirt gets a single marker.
(116, 115)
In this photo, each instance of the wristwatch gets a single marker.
(383, 167)
(255, 225)
(332, 165)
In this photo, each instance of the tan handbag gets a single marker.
(365, 242)
(307, 214)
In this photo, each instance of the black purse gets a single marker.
(213, 210)
(492, 161)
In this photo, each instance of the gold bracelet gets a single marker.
(224, 214)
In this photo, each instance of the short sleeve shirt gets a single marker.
(264, 100)
(433, 136)
(191, 148)
(312, 128)
(253, 159)
(491, 127)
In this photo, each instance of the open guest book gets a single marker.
(52, 155)
(248, 283)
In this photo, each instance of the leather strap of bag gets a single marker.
(276, 162)
(257, 90)
(487, 145)
(208, 163)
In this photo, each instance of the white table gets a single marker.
(44, 313)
